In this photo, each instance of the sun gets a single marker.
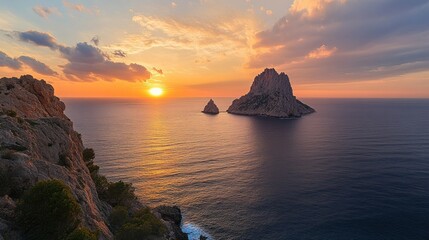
(156, 91)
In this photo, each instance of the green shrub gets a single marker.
(10, 113)
(82, 233)
(120, 193)
(92, 167)
(101, 184)
(88, 154)
(118, 217)
(142, 225)
(48, 211)
(64, 160)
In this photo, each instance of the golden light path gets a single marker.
(156, 91)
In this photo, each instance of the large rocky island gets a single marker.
(271, 95)
(50, 187)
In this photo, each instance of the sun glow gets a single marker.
(156, 91)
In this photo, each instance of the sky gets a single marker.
(215, 48)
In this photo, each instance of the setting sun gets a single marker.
(156, 91)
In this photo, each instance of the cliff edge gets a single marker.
(38, 142)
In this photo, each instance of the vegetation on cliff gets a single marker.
(50, 187)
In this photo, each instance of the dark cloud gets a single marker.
(16, 64)
(88, 63)
(159, 71)
(38, 38)
(95, 40)
(119, 53)
(356, 40)
(37, 66)
(6, 61)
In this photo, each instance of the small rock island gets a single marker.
(271, 95)
(211, 108)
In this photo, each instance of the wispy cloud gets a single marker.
(322, 52)
(44, 12)
(119, 53)
(353, 40)
(224, 36)
(76, 6)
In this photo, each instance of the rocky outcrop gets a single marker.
(211, 108)
(172, 216)
(38, 142)
(270, 95)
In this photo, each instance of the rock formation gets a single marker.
(271, 95)
(211, 108)
(38, 142)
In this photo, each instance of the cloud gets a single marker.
(37, 66)
(6, 61)
(44, 12)
(173, 4)
(312, 8)
(38, 38)
(208, 38)
(159, 71)
(119, 53)
(343, 41)
(95, 40)
(76, 7)
(322, 52)
(86, 62)
(17, 63)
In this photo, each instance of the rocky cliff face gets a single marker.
(211, 108)
(37, 142)
(271, 95)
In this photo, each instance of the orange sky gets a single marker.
(215, 48)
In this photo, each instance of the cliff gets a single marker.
(270, 95)
(38, 142)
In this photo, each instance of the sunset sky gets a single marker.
(214, 48)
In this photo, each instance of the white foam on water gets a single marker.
(194, 232)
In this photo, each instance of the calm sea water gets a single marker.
(356, 169)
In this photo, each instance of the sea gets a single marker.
(355, 169)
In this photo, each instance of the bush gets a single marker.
(48, 211)
(88, 154)
(142, 225)
(64, 160)
(101, 184)
(82, 233)
(118, 217)
(120, 193)
(10, 113)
